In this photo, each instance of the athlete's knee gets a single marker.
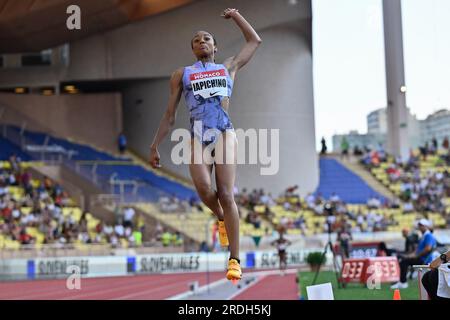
(204, 191)
(226, 198)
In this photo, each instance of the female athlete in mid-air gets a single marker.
(207, 89)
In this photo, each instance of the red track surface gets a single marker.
(272, 287)
(145, 287)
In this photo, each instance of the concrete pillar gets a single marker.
(397, 137)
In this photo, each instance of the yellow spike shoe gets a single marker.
(223, 238)
(234, 272)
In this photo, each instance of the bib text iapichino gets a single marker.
(209, 83)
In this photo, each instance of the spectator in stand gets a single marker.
(284, 222)
(381, 153)
(393, 172)
(425, 151)
(445, 144)
(128, 216)
(14, 162)
(323, 150)
(158, 232)
(140, 223)
(177, 239)
(374, 202)
(24, 237)
(434, 143)
(344, 148)
(360, 220)
(366, 158)
(204, 247)
(137, 236)
(334, 198)
(310, 201)
(357, 151)
(300, 223)
(119, 230)
(290, 192)
(408, 207)
(166, 238)
(375, 158)
(319, 207)
(194, 202)
(396, 203)
(122, 143)
(243, 198)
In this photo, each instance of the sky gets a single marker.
(349, 65)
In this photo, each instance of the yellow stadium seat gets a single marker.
(92, 224)
(40, 237)
(6, 165)
(35, 183)
(123, 243)
(26, 210)
(11, 244)
(31, 231)
(293, 231)
(260, 209)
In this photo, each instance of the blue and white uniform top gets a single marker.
(204, 88)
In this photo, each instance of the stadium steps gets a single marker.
(161, 171)
(7, 148)
(359, 170)
(135, 159)
(198, 225)
(350, 187)
(154, 182)
(192, 224)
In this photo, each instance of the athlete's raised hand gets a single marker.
(233, 64)
(228, 13)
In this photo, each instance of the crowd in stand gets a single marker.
(424, 193)
(46, 201)
(420, 192)
(167, 238)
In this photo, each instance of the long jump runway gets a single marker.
(266, 286)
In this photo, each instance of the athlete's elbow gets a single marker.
(170, 118)
(257, 40)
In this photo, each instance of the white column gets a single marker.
(397, 137)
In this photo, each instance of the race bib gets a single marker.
(209, 83)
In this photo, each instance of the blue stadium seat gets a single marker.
(7, 149)
(334, 177)
(151, 187)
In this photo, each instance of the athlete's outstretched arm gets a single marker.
(169, 117)
(252, 39)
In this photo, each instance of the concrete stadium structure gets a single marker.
(274, 91)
